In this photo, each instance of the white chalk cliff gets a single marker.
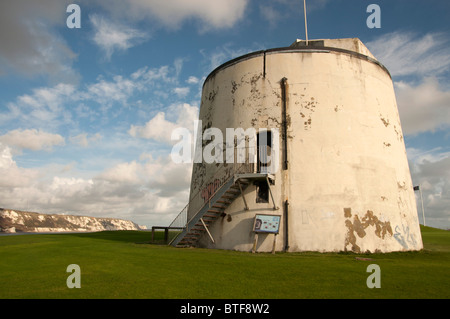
(12, 221)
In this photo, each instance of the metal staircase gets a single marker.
(211, 211)
(234, 187)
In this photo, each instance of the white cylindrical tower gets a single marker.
(340, 179)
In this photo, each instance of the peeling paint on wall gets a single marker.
(385, 122)
(359, 227)
(306, 110)
(399, 135)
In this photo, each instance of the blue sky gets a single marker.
(86, 114)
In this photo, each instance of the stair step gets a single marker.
(214, 211)
(227, 202)
(193, 236)
(184, 245)
(185, 241)
(227, 196)
(210, 217)
(233, 192)
(207, 222)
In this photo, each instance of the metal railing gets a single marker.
(207, 189)
(181, 219)
(228, 181)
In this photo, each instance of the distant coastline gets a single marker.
(16, 221)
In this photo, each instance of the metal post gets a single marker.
(274, 243)
(423, 212)
(242, 194)
(255, 243)
(306, 24)
(285, 136)
(204, 225)
(166, 235)
(421, 200)
(286, 222)
(270, 191)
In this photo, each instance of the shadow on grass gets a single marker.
(128, 236)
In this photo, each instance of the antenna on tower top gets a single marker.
(306, 23)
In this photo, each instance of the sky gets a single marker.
(86, 114)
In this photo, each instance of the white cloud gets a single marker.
(314, 5)
(11, 176)
(275, 11)
(45, 107)
(420, 156)
(423, 108)
(111, 36)
(62, 187)
(128, 173)
(84, 140)
(106, 92)
(431, 170)
(192, 80)
(165, 74)
(212, 14)
(160, 129)
(6, 160)
(149, 75)
(31, 46)
(270, 14)
(406, 53)
(32, 139)
(181, 91)
(168, 177)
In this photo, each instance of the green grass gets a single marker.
(122, 264)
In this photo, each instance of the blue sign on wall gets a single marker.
(266, 223)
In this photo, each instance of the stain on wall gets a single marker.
(385, 122)
(210, 189)
(307, 108)
(406, 238)
(358, 227)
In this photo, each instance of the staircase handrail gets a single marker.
(247, 166)
(207, 205)
(235, 169)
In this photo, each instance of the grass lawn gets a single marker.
(122, 264)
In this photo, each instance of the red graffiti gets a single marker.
(210, 189)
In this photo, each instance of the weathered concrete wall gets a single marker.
(20, 221)
(348, 182)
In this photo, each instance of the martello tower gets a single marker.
(330, 120)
